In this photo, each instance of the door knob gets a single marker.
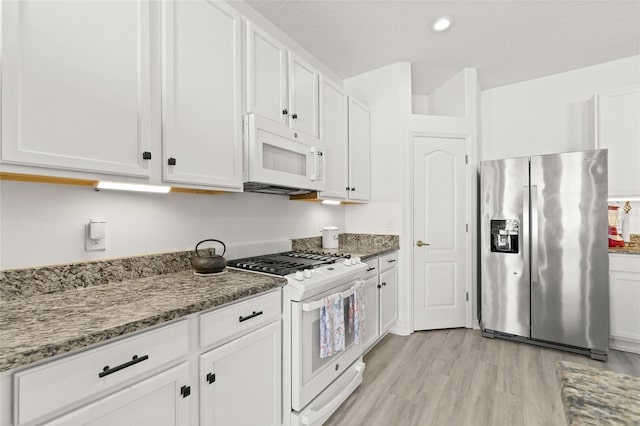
(420, 243)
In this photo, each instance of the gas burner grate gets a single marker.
(285, 263)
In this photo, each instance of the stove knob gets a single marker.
(347, 262)
(358, 260)
(307, 273)
(299, 276)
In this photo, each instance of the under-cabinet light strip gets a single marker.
(121, 186)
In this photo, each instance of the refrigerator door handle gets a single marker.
(525, 234)
(534, 233)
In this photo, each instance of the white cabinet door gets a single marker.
(334, 135)
(303, 97)
(388, 299)
(624, 296)
(202, 117)
(618, 129)
(266, 76)
(359, 151)
(240, 382)
(371, 312)
(76, 85)
(156, 401)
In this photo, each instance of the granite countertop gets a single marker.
(598, 397)
(357, 245)
(42, 325)
(625, 250)
(630, 247)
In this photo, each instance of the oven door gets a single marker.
(279, 156)
(311, 374)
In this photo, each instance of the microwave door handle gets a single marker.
(312, 306)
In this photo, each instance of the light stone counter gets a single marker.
(66, 307)
(598, 397)
(356, 245)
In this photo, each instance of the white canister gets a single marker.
(330, 237)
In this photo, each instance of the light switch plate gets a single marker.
(93, 245)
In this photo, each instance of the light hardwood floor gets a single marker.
(457, 377)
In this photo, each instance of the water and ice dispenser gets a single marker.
(504, 236)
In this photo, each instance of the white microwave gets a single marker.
(279, 160)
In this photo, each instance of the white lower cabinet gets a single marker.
(372, 316)
(388, 299)
(151, 377)
(380, 298)
(161, 400)
(240, 382)
(624, 297)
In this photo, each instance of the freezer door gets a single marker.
(504, 246)
(569, 259)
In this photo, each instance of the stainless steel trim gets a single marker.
(534, 233)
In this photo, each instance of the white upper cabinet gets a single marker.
(76, 85)
(280, 86)
(267, 87)
(359, 151)
(303, 97)
(202, 116)
(618, 129)
(334, 135)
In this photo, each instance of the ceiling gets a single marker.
(507, 40)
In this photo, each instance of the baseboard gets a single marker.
(624, 345)
(401, 329)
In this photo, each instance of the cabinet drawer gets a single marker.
(372, 267)
(239, 318)
(42, 390)
(388, 261)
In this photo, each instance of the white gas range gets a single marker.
(313, 387)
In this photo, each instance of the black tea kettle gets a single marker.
(211, 264)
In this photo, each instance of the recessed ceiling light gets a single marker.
(442, 23)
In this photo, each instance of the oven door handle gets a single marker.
(312, 417)
(312, 306)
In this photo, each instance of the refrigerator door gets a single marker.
(569, 259)
(504, 246)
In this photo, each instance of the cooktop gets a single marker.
(285, 263)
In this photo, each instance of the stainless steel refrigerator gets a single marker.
(544, 251)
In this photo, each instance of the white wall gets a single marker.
(387, 92)
(549, 114)
(44, 224)
(449, 99)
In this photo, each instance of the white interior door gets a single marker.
(440, 239)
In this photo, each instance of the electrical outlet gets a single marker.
(91, 244)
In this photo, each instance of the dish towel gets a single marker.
(331, 325)
(356, 312)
